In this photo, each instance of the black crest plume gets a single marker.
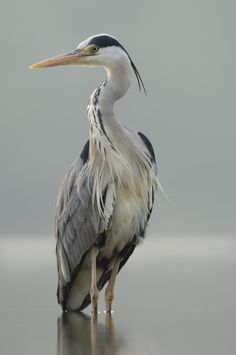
(107, 41)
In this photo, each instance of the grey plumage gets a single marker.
(106, 198)
(78, 224)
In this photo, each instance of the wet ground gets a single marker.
(176, 296)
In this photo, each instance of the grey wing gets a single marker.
(152, 157)
(78, 223)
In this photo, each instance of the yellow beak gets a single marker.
(63, 59)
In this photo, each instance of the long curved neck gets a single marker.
(116, 86)
(104, 128)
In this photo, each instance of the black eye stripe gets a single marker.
(107, 41)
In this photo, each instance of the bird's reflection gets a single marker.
(80, 334)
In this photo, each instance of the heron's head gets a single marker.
(100, 50)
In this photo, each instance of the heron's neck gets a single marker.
(116, 86)
(103, 125)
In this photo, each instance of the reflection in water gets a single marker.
(81, 334)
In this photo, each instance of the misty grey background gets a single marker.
(176, 295)
(185, 51)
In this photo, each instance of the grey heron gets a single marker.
(106, 198)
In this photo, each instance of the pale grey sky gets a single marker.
(185, 51)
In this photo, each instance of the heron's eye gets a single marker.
(94, 49)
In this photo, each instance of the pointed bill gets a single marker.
(63, 59)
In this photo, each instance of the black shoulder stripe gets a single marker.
(148, 145)
(85, 153)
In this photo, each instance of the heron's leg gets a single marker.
(109, 333)
(109, 293)
(94, 331)
(94, 290)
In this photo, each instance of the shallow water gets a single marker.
(175, 296)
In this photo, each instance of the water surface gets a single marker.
(175, 296)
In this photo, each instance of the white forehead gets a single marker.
(86, 42)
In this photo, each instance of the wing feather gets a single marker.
(78, 223)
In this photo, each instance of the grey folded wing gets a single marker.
(78, 223)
